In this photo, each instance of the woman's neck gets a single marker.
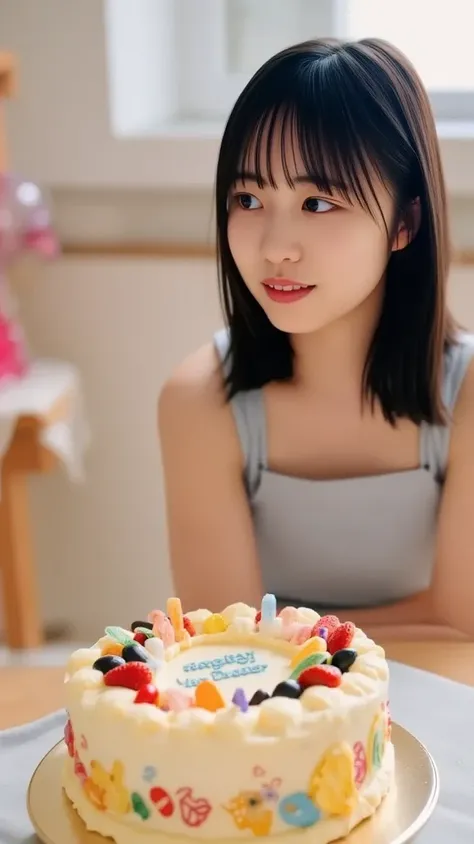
(332, 359)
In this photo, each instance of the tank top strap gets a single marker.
(434, 439)
(249, 416)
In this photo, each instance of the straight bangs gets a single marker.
(350, 115)
(336, 154)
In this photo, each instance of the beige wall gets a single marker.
(101, 547)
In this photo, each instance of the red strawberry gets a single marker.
(320, 675)
(341, 637)
(330, 622)
(147, 694)
(188, 626)
(140, 638)
(131, 675)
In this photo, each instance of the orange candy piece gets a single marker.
(209, 697)
(113, 649)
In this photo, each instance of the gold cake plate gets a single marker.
(401, 816)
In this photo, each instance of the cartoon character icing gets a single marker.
(250, 811)
(106, 790)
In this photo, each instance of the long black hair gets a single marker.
(353, 109)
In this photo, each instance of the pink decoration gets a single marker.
(25, 221)
(162, 627)
(301, 634)
(13, 361)
(288, 615)
(177, 701)
(25, 226)
(194, 811)
(360, 763)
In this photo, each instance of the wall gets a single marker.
(101, 547)
(102, 551)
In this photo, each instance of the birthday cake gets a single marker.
(228, 726)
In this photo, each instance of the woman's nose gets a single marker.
(279, 246)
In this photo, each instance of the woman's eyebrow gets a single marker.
(305, 179)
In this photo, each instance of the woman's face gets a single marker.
(328, 256)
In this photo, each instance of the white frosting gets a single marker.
(228, 774)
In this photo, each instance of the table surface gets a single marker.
(30, 693)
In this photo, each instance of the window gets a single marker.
(211, 48)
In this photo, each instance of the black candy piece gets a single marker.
(106, 663)
(135, 653)
(343, 659)
(288, 688)
(258, 697)
(145, 624)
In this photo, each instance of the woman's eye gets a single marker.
(317, 206)
(247, 201)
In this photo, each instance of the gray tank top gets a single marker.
(353, 542)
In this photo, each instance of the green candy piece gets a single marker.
(119, 635)
(139, 806)
(148, 633)
(312, 659)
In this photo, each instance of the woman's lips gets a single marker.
(285, 290)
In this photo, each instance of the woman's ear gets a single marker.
(408, 227)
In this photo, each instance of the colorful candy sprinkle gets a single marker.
(147, 694)
(175, 615)
(189, 626)
(130, 675)
(208, 696)
(140, 638)
(119, 635)
(320, 675)
(141, 625)
(323, 633)
(287, 688)
(107, 663)
(215, 623)
(288, 615)
(112, 649)
(135, 653)
(258, 697)
(314, 645)
(312, 659)
(162, 628)
(341, 637)
(239, 699)
(343, 659)
(147, 632)
(301, 634)
(177, 700)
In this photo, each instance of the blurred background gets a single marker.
(116, 113)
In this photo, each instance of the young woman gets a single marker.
(322, 447)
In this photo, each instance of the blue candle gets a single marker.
(269, 608)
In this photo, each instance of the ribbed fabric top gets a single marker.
(347, 542)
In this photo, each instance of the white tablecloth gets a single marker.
(439, 712)
(35, 394)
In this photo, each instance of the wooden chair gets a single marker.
(25, 455)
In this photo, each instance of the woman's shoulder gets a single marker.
(197, 381)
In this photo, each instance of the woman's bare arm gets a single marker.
(210, 530)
